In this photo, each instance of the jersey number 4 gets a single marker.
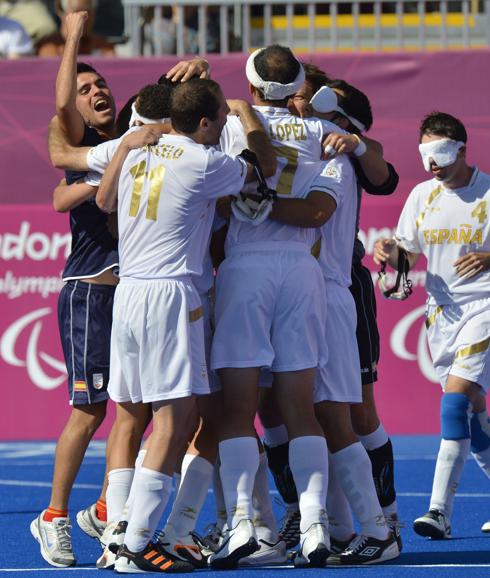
(140, 177)
(480, 212)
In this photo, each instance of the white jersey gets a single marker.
(166, 205)
(445, 224)
(338, 179)
(296, 141)
(98, 157)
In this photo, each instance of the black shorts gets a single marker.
(85, 320)
(362, 290)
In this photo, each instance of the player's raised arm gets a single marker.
(257, 139)
(70, 118)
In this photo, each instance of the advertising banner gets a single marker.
(35, 241)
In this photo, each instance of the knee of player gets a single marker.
(454, 416)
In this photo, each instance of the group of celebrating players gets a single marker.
(268, 197)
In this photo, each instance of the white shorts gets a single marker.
(157, 342)
(270, 309)
(459, 340)
(340, 379)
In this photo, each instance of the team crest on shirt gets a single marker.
(332, 171)
(98, 380)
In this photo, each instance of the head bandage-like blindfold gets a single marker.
(136, 117)
(272, 90)
(443, 152)
(325, 100)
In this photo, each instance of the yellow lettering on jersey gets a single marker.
(454, 238)
(477, 237)
(288, 131)
(138, 174)
(285, 183)
(167, 151)
(480, 212)
(442, 236)
(464, 235)
(155, 176)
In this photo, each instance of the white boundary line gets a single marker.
(45, 484)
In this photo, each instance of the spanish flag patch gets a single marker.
(80, 386)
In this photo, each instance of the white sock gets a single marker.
(219, 498)
(353, 469)
(263, 517)
(118, 488)
(140, 458)
(196, 473)
(375, 439)
(483, 460)
(308, 460)
(341, 524)
(239, 463)
(391, 512)
(151, 492)
(275, 436)
(449, 468)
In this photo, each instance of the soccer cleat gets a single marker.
(151, 559)
(211, 541)
(90, 524)
(314, 550)
(55, 540)
(181, 547)
(113, 539)
(290, 532)
(395, 526)
(365, 550)
(268, 554)
(238, 543)
(338, 546)
(432, 525)
(486, 527)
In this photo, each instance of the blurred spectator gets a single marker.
(168, 29)
(32, 15)
(90, 43)
(14, 40)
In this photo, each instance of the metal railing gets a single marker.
(162, 27)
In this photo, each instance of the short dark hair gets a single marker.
(355, 103)
(154, 101)
(315, 76)
(443, 124)
(277, 64)
(193, 100)
(84, 67)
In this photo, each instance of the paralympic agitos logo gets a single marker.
(398, 343)
(32, 358)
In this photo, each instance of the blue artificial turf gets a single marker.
(25, 475)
